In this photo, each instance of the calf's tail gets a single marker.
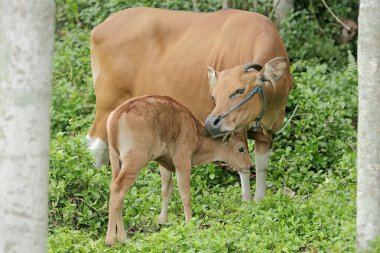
(114, 154)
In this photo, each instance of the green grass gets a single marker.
(278, 224)
(312, 177)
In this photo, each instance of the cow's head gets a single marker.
(229, 87)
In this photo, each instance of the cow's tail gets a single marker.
(112, 131)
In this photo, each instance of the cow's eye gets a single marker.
(241, 149)
(237, 92)
(240, 91)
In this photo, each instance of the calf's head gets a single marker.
(230, 87)
(235, 152)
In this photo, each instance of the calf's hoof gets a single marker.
(122, 236)
(110, 241)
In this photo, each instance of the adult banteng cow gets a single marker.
(144, 51)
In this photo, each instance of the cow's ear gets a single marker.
(273, 70)
(212, 77)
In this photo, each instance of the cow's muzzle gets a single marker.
(213, 125)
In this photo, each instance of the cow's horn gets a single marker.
(253, 65)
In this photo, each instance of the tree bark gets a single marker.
(281, 8)
(255, 5)
(195, 5)
(368, 164)
(26, 45)
(244, 4)
(225, 4)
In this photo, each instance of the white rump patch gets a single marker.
(125, 138)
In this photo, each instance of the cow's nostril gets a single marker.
(216, 121)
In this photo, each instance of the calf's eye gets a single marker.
(241, 149)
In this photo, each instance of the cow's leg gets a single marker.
(98, 148)
(97, 136)
(123, 182)
(183, 170)
(261, 161)
(167, 189)
(245, 186)
(262, 147)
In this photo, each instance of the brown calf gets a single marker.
(159, 128)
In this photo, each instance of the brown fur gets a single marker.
(159, 128)
(347, 35)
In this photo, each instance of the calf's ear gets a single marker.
(212, 77)
(273, 70)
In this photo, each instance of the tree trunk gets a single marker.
(255, 5)
(368, 164)
(26, 45)
(225, 4)
(195, 5)
(244, 4)
(281, 8)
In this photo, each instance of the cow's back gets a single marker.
(144, 51)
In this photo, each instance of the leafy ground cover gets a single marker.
(312, 179)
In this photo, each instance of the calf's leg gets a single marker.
(115, 163)
(119, 187)
(183, 170)
(167, 189)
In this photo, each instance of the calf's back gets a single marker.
(158, 126)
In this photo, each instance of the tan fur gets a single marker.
(163, 130)
(144, 51)
(173, 58)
